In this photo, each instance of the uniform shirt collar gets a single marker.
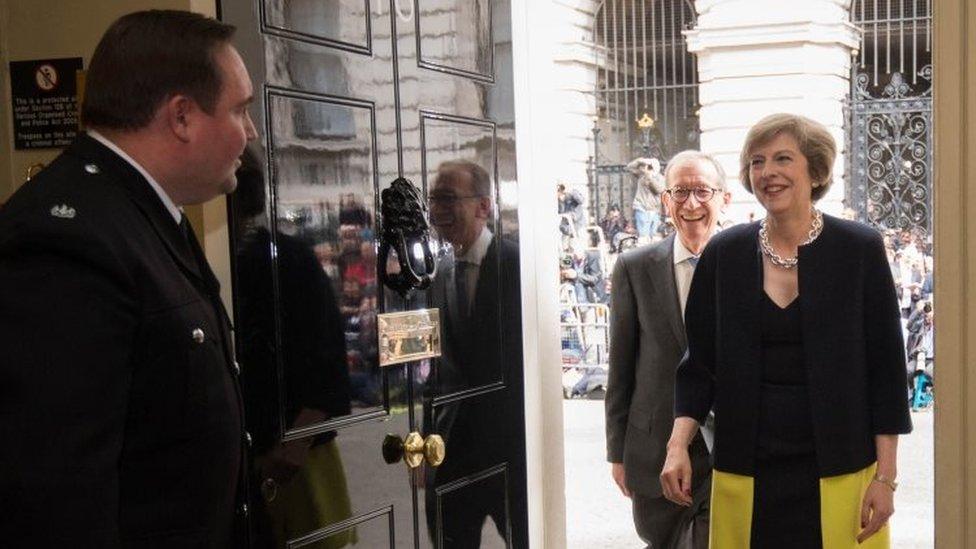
(477, 252)
(172, 208)
(680, 252)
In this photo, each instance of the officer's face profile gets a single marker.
(219, 138)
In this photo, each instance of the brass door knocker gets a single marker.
(406, 230)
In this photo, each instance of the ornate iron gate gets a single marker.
(646, 93)
(611, 186)
(889, 136)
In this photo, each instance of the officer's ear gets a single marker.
(178, 112)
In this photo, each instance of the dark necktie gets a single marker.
(203, 267)
(461, 288)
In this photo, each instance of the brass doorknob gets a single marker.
(434, 450)
(414, 450)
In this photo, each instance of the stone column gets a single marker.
(574, 79)
(758, 57)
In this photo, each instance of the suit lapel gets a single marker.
(487, 276)
(660, 268)
(145, 199)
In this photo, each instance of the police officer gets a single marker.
(120, 413)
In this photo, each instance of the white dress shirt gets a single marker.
(172, 208)
(683, 271)
(474, 255)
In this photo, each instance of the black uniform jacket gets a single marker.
(852, 343)
(120, 416)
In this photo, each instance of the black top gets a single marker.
(785, 427)
(852, 345)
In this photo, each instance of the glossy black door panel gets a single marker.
(338, 23)
(463, 504)
(370, 530)
(457, 110)
(350, 95)
(456, 37)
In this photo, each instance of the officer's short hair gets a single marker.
(146, 57)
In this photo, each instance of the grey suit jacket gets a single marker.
(647, 341)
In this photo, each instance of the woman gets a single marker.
(795, 343)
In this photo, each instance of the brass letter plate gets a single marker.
(410, 335)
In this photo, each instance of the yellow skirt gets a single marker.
(840, 511)
(315, 497)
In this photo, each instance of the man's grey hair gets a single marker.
(692, 155)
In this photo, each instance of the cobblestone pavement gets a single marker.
(598, 516)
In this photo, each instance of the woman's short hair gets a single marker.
(813, 139)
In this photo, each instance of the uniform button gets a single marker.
(198, 335)
(92, 169)
(242, 510)
(247, 439)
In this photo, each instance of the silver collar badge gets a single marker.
(63, 211)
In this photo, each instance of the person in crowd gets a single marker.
(591, 275)
(649, 291)
(779, 311)
(647, 204)
(476, 289)
(928, 282)
(120, 413)
(612, 224)
(624, 239)
(570, 203)
(915, 326)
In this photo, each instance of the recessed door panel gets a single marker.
(463, 505)
(350, 95)
(337, 23)
(456, 37)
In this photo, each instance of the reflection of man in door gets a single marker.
(474, 289)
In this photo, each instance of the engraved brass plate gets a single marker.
(410, 335)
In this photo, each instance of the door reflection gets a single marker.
(299, 485)
(470, 486)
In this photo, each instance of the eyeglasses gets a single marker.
(449, 199)
(681, 194)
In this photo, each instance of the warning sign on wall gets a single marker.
(45, 102)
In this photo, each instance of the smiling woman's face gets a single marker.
(780, 176)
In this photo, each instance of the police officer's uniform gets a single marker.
(120, 412)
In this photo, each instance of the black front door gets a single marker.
(349, 96)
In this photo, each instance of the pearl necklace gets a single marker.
(788, 262)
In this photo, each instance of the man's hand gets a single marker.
(676, 476)
(285, 460)
(877, 507)
(617, 472)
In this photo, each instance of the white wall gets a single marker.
(537, 32)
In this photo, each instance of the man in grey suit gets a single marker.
(649, 291)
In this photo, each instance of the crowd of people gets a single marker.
(588, 250)
(910, 258)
